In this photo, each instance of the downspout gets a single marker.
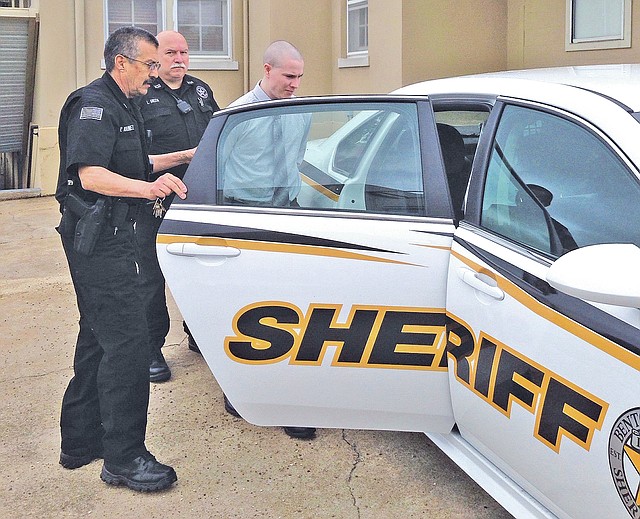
(81, 72)
(245, 45)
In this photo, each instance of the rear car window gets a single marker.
(361, 157)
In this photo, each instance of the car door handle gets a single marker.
(194, 249)
(481, 282)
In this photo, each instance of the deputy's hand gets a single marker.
(165, 185)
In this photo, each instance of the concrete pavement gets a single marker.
(226, 467)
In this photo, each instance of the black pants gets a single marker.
(152, 283)
(105, 405)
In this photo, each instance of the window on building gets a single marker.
(146, 14)
(357, 27)
(598, 24)
(357, 35)
(15, 3)
(204, 23)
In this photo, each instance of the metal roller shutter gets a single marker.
(14, 41)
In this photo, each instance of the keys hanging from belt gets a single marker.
(158, 208)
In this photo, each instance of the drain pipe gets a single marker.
(33, 136)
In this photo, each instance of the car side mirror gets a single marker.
(607, 273)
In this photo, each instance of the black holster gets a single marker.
(92, 219)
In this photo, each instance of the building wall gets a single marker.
(316, 27)
(71, 44)
(55, 79)
(536, 38)
(441, 39)
(304, 23)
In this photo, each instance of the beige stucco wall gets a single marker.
(414, 40)
(72, 41)
(316, 28)
(227, 84)
(536, 38)
(306, 24)
(443, 39)
(55, 79)
(70, 55)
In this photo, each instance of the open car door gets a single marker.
(543, 301)
(329, 311)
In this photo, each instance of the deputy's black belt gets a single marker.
(123, 211)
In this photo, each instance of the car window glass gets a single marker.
(508, 208)
(340, 156)
(394, 180)
(350, 150)
(553, 185)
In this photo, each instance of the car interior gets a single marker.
(456, 163)
(459, 128)
(544, 185)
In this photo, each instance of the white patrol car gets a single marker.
(461, 257)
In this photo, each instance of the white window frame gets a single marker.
(598, 42)
(196, 61)
(358, 58)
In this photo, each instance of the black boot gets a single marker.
(158, 369)
(300, 433)
(70, 461)
(191, 342)
(229, 408)
(143, 474)
(78, 457)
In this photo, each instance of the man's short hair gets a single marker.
(280, 50)
(125, 41)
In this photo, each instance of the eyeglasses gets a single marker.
(154, 65)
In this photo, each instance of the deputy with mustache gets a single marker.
(176, 110)
(106, 175)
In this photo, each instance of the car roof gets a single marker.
(615, 82)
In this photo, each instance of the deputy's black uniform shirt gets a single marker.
(100, 126)
(172, 130)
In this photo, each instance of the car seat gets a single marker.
(456, 165)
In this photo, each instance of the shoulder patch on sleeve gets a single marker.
(91, 112)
